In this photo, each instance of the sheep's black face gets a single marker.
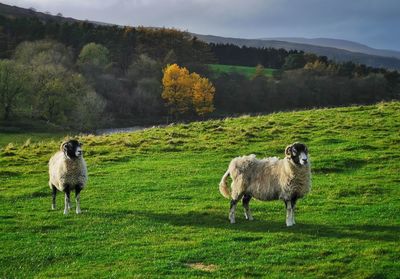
(298, 153)
(72, 149)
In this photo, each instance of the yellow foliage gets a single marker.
(176, 82)
(321, 67)
(183, 91)
(316, 65)
(203, 96)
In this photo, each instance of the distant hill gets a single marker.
(334, 53)
(341, 44)
(14, 11)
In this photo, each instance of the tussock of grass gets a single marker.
(152, 206)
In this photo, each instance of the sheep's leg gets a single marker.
(67, 204)
(293, 202)
(78, 189)
(246, 201)
(54, 194)
(289, 213)
(69, 198)
(232, 210)
(235, 199)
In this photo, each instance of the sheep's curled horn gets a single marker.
(289, 150)
(62, 147)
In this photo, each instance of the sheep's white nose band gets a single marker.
(303, 158)
(78, 152)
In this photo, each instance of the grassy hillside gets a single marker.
(247, 71)
(22, 138)
(15, 132)
(152, 206)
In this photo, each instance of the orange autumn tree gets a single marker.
(177, 89)
(203, 95)
(184, 92)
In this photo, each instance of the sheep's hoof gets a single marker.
(289, 224)
(53, 207)
(78, 211)
(65, 212)
(232, 221)
(248, 217)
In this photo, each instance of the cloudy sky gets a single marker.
(372, 22)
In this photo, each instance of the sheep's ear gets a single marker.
(288, 151)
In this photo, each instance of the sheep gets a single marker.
(67, 172)
(268, 179)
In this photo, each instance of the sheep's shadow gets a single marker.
(216, 220)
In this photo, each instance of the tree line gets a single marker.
(230, 54)
(85, 76)
(303, 80)
(43, 81)
(123, 42)
(307, 87)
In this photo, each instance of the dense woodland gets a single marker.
(86, 76)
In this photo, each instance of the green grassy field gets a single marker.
(152, 206)
(247, 71)
(22, 138)
(15, 132)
